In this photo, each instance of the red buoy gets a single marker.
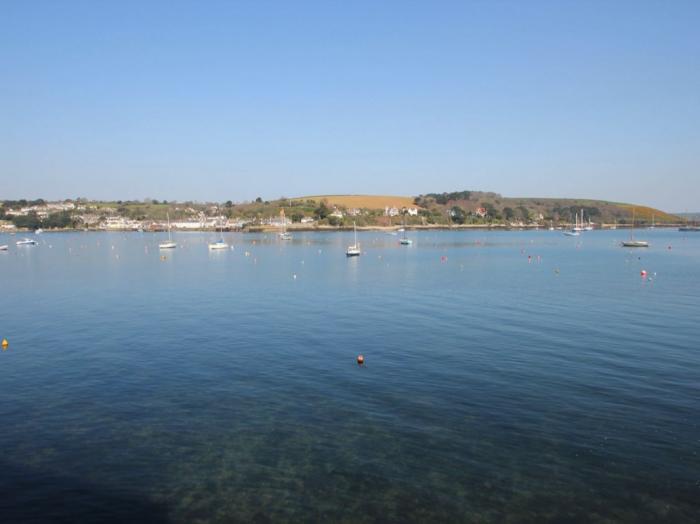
(643, 273)
(360, 359)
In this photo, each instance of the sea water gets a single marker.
(508, 377)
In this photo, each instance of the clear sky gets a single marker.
(231, 100)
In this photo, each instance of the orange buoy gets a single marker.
(360, 359)
(5, 343)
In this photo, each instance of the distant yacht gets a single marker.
(3, 248)
(632, 242)
(353, 250)
(39, 231)
(284, 235)
(26, 242)
(574, 231)
(689, 228)
(219, 244)
(405, 241)
(169, 244)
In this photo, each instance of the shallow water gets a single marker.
(509, 377)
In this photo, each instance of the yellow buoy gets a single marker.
(5, 343)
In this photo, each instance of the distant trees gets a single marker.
(32, 221)
(491, 211)
(28, 221)
(16, 204)
(444, 198)
(258, 200)
(322, 211)
(524, 212)
(508, 213)
(59, 220)
(296, 217)
(458, 215)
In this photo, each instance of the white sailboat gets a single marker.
(26, 242)
(284, 235)
(574, 231)
(219, 244)
(169, 244)
(632, 242)
(353, 250)
(405, 241)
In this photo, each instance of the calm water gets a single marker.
(216, 387)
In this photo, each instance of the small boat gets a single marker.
(219, 244)
(405, 241)
(26, 242)
(39, 231)
(575, 231)
(635, 243)
(632, 242)
(353, 250)
(284, 235)
(3, 248)
(169, 244)
(689, 228)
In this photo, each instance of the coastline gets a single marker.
(344, 228)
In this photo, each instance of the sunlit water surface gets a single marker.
(509, 377)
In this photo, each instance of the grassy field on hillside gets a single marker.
(362, 201)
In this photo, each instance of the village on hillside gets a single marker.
(434, 210)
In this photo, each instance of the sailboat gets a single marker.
(632, 242)
(169, 244)
(219, 244)
(653, 224)
(284, 235)
(405, 241)
(26, 242)
(575, 231)
(3, 248)
(353, 250)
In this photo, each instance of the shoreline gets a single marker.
(330, 229)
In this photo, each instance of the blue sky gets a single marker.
(231, 100)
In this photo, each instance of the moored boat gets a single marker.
(353, 250)
(26, 242)
(169, 244)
